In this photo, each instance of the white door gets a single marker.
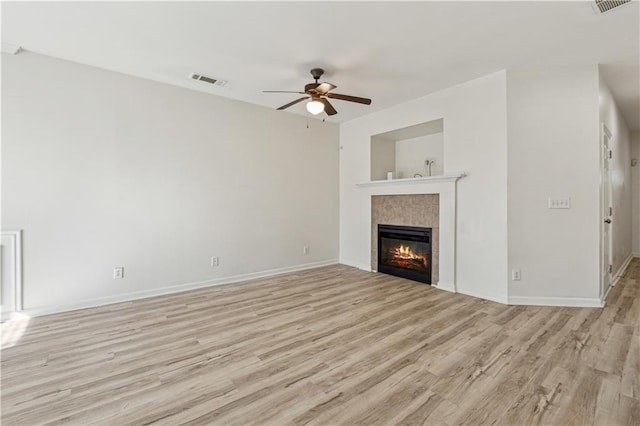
(607, 213)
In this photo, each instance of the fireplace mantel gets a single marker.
(445, 187)
(425, 179)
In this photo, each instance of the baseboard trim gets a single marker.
(621, 271)
(472, 293)
(90, 303)
(445, 286)
(617, 276)
(362, 266)
(575, 302)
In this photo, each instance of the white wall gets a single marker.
(553, 151)
(383, 158)
(620, 177)
(635, 191)
(475, 116)
(412, 153)
(101, 170)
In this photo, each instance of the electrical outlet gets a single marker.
(118, 273)
(305, 249)
(516, 275)
(215, 261)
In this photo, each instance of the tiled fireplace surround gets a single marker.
(407, 210)
(430, 202)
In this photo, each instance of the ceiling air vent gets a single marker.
(210, 80)
(604, 6)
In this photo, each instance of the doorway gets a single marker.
(606, 265)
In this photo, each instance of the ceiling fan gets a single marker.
(319, 95)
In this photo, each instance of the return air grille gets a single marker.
(210, 80)
(603, 6)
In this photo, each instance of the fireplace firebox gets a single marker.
(405, 251)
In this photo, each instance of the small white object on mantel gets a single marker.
(425, 179)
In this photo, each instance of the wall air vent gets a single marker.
(209, 80)
(604, 6)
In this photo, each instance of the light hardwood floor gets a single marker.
(333, 345)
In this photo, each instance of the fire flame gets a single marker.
(405, 253)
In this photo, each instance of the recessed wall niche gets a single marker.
(414, 151)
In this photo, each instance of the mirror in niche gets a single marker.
(410, 152)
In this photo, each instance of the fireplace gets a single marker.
(405, 251)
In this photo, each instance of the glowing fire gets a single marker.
(405, 253)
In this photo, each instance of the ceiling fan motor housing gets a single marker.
(316, 73)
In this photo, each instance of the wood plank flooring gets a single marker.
(329, 346)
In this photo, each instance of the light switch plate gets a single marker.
(559, 202)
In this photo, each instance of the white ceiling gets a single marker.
(389, 51)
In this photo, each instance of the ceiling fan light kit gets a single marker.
(315, 107)
(318, 95)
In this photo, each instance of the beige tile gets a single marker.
(407, 210)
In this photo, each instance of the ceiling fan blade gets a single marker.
(349, 98)
(328, 108)
(324, 88)
(282, 91)
(293, 103)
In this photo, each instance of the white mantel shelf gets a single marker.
(425, 179)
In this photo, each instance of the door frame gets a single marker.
(606, 265)
(12, 248)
